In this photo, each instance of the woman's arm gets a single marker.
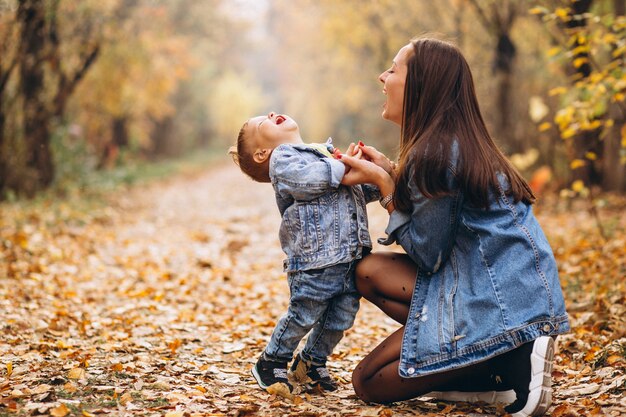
(366, 172)
(427, 233)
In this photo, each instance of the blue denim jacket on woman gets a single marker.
(323, 222)
(487, 280)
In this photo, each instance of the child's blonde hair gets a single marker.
(244, 157)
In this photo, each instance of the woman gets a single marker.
(477, 292)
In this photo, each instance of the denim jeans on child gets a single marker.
(323, 301)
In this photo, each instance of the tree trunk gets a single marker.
(39, 171)
(2, 153)
(503, 66)
(162, 137)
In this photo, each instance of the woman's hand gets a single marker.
(362, 171)
(372, 154)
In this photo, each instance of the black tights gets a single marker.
(387, 280)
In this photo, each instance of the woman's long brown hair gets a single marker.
(440, 108)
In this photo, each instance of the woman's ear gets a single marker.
(261, 155)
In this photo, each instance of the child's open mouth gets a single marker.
(280, 119)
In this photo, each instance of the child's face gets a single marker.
(267, 132)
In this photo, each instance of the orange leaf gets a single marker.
(60, 411)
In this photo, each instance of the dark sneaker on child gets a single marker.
(313, 376)
(537, 397)
(268, 373)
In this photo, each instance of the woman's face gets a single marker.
(393, 80)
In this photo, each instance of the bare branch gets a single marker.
(5, 75)
(67, 85)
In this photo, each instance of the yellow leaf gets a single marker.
(554, 51)
(60, 411)
(578, 186)
(537, 10)
(9, 369)
(76, 373)
(545, 126)
(562, 12)
(592, 156)
(579, 62)
(88, 414)
(568, 133)
(174, 414)
(200, 388)
(557, 90)
(609, 38)
(619, 97)
(577, 163)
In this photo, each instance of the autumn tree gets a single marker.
(592, 114)
(43, 72)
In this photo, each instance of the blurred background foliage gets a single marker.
(97, 85)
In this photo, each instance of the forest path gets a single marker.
(160, 303)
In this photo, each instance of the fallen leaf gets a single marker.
(76, 373)
(60, 411)
(280, 389)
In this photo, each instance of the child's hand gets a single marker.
(355, 151)
(373, 155)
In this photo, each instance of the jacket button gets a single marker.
(546, 328)
(353, 216)
(411, 371)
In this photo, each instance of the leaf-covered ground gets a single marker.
(158, 303)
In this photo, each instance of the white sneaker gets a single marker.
(489, 397)
(540, 387)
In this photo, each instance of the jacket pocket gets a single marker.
(308, 214)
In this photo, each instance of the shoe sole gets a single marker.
(489, 397)
(540, 387)
(256, 376)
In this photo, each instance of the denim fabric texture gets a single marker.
(487, 280)
(323, 222)
(323, 301)
(323, 232)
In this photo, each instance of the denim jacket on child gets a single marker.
(487, 280)
(323, 222)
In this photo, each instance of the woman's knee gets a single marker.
(358, 383)
(365, 273)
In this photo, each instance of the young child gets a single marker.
(323, 233)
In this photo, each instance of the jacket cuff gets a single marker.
(397, 219)
(337, 171)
